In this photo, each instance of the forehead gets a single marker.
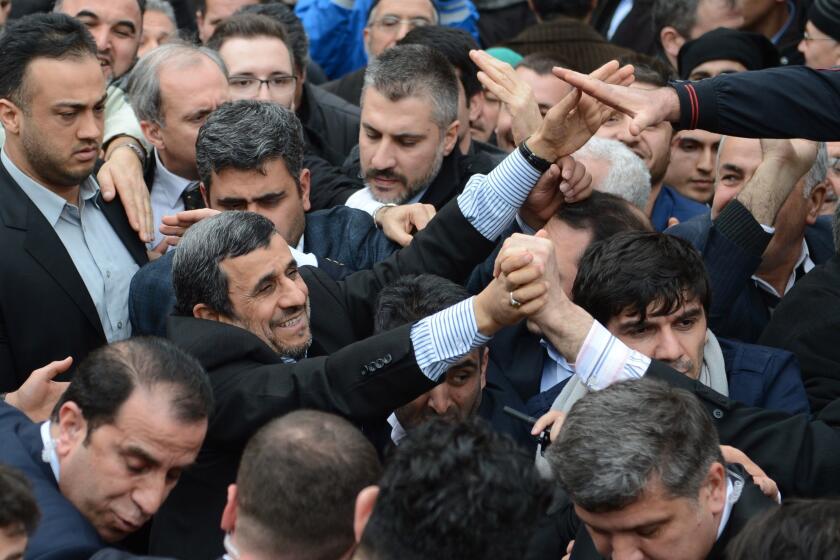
(224, 8)
(69, 79)
(189, 83)
(106, 10)
(256, 54)
(653, 506)
(690, 305)
(409, 115)
(700, 136)
(721, 66)
(244, 271)
(405, 8)
(742, 152)
(548, 89)
(146, 422)
(246, 183)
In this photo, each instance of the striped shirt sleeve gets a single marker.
(490, 202)
(442, 339)
(604, 360)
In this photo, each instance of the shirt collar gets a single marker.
(804, 261)
(734, 486)
(173, 185)
(48, 454)
(50, 204)
(791, 15)
(397, 430)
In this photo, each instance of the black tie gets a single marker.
(192, 197)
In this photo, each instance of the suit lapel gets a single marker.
(115, 214)
(751, 503)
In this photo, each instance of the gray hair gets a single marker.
(163, 7)
(143, 83)
(196, 272)
(615, 442)
(628, 177)
(416, 71)
(245, 135)
(679, 14)
(142, 4)
(818, 172)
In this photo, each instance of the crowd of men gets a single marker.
(410, 279)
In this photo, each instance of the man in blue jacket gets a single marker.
(342, 35)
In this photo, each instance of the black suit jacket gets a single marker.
(751, 503)
(799, 452)
(46, 312)
(806, 322)
(62, 533)
(348, 372)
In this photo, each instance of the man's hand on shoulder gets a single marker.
(174, 227)
(122, 173)
(39, 393)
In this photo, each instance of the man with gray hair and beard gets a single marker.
(677, 498)
(407, 142)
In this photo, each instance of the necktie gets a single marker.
(192, 197)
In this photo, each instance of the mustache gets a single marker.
(682, 365)
(385, 174)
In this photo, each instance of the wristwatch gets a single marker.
(533, 159)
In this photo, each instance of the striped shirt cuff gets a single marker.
(604, 360)
(442, 339)
(490, 202)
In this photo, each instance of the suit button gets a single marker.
(379, 363)
(388, 358)
(364, 370)
(717, 413)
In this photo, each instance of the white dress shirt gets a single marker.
(166, 196)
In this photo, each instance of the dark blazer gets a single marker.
(635, 32)
(63, 533)
(331, 124)
(739, 309)
(46, 312)
(349, 372)
(758, 375)
(798, 452)
(751, 503)
(344, 240)
(807, 323)
(348, 87)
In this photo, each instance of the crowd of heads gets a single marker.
(229, 102)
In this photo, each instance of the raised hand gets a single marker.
(500, 79)
(565, 182)
(37, 396)
(646, 107)
(174, 227)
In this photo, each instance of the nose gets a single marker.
(149, 494)
(294, 293)
(626, 548)
(383, 156)
(802, 46)
(90, 126)
(623, 135)
(263, 93)
(706, 162)
(403, 30)
(668, 347)
(101, 36)
(439, 400)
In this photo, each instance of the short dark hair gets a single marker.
(201, 5)
(453, 43)
(542, 63)
(577, 9)
(297, 42)
(247, 134)
(604, 215)
(798, 529)
(630, 271)
(247, 26)
(297, 485)
(18, 509)
(197, 275)
(412, 298)
(649, 70)
(407, 71)
(110, 374)
(455, 490)
(615, 441)
(54, 36)
(140, 4)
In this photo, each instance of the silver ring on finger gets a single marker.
(514, 303)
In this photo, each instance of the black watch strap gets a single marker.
(533, 159)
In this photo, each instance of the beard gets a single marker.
(411, 188)
(48, 165)
(297, 351)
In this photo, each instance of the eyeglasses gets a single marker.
(807, 37)
(250, 85)
(393, 23)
